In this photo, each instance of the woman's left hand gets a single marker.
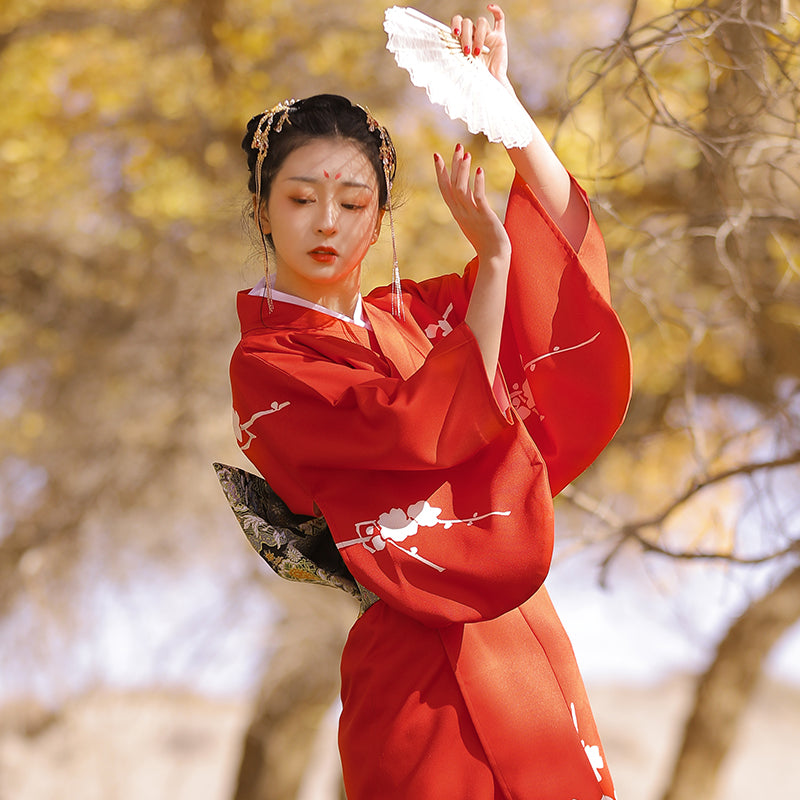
(474, 36)
(471, 209)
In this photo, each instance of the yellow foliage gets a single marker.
(122, 178)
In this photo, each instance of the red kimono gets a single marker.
(437, 487)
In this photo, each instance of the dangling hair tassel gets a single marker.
(268, 286)
(260, 143)
(398, 309)
(388, 160)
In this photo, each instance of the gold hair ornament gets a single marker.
(272, 119)
(388, 160)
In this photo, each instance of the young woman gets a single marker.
(431, 425)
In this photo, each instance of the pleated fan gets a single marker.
(460, 83)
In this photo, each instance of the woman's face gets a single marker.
(323, 216)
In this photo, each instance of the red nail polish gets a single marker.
(458, 146)
(456, 32)
(476, 51)
(479, 171)
(466, 50)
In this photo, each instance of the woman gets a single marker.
(431, 424)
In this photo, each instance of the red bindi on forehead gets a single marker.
(335, 177)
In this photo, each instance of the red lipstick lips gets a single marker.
(325, 255)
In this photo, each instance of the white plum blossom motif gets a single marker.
(521, 395)
(522, 400)
(592, 751)
(557, 350)
(397, 525)
(432, 331)
(242, 429)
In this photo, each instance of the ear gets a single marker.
(260, 216)
(377, 232)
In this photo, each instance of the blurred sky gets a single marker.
(206, 629)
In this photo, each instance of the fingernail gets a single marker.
(436, 157)
(456, 32)
(466, 50)
(476, 51)
(458, 146)
(479, 171)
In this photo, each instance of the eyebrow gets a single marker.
(351, 184)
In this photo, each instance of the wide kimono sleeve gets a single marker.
(412, 475)
(564, 354)
(346, 415)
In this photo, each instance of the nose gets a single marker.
(327, 222)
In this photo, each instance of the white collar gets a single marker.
(358, 318)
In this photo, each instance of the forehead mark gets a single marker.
(335, 177)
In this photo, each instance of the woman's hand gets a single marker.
(487, 235)
(470, 209)
(536, 163)
(474, 36)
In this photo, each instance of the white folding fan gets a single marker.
(461, 83)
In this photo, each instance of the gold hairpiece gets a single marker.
(388, 160)
(272, 119)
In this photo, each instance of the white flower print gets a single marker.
(432, 331)
(396, 525)
(557, 350)
(425, 514)
(242, 429)
(522, 399)
(592, 751)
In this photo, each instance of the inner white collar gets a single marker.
(358, 318)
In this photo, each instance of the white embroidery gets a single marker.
(397, 525)
(592, 751)
(522, 400)
(432, 331)
(243, 429)
(531, 365)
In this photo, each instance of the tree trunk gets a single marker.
(734, 206)
(725, 690)
(299, 687)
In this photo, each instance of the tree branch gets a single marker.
(628, 531)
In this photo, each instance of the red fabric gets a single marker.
(438, 492)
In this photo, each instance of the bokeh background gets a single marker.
(145, 650)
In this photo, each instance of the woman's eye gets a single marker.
(302, 201)
(352, 206)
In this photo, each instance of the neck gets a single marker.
(341, 296)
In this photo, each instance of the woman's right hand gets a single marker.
(470, 209)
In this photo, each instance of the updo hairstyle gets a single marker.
(327, 116)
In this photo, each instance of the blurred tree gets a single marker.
(120, 221)
(701, 177)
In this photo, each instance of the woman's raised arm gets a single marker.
(537, 163)
(486, 234)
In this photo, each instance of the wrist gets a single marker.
(504, 81)
(498, 261)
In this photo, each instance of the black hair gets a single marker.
(321, 116)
